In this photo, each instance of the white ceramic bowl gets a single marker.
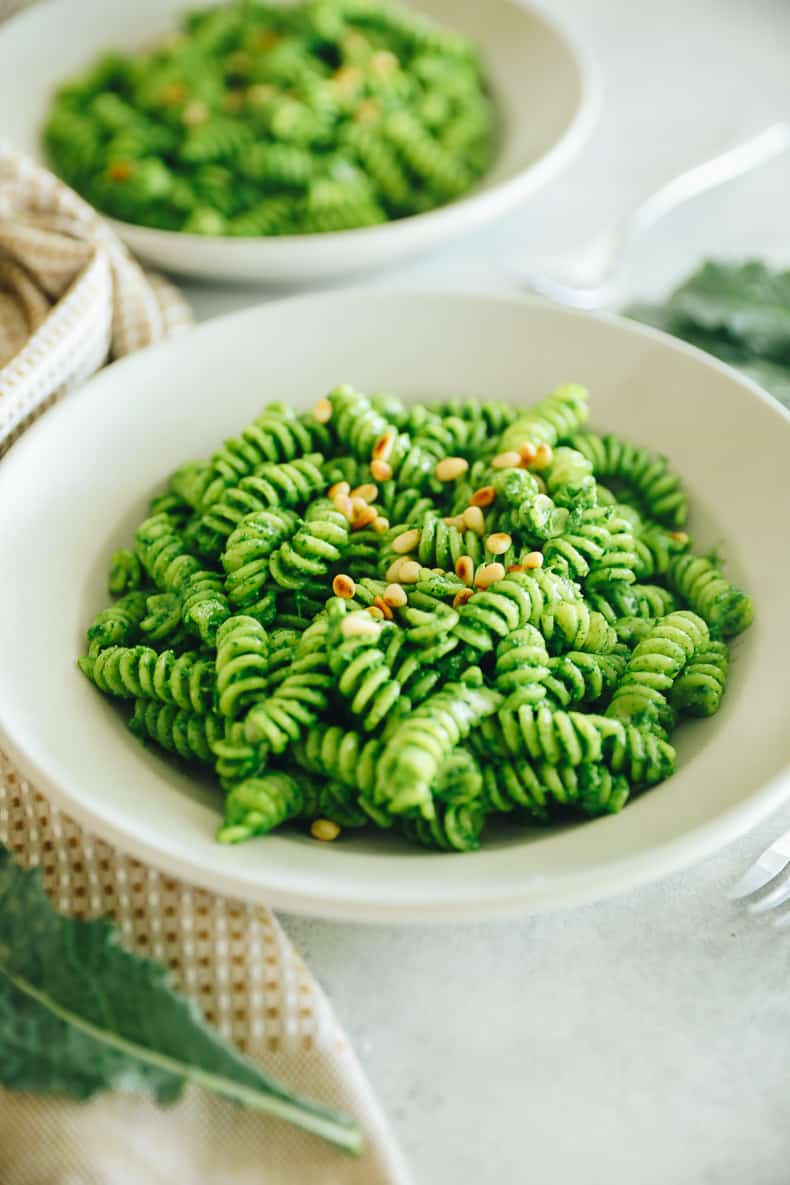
(76, 485)
(544, 87)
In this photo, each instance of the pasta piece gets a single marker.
(702, 585)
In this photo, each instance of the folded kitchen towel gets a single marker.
(71, 296)
(71, 299)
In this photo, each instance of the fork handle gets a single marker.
(736, 161)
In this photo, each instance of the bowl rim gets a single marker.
(588, 883)
(471, 210)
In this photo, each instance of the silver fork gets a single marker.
(771, 871)
(595, 279)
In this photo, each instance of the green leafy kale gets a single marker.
(80, 1015)
(738, 312)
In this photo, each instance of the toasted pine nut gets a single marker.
(462, 596)
(409, 572)
(465, 568)
(406, 542)
(679, 536)
(260, 92)
(380, 603)
(395, 596)
(343, 504)
(527, 451)
(509, 460)
(322, 411)
(498, 543)
(376, 613)
(381, 470)
(343, 586)
(534, 559)
(383, 62)
(363, 516)
(383, 447)
(367, 111)
(473, 520)
(340, 487)
(544, 455)
(456, 520)
(393, 572)
(359, 625)
(367, 491)
(515, 568)
(489, 574)
(451, 468)
(174, 92)
(324, 829)
(120, 170)
(381, 524)
(483, 497)
(194, 113)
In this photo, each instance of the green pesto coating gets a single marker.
(254, 119)
(429, 700)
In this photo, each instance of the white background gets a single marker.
(644, 1040)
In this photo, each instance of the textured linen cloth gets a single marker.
(72, 298)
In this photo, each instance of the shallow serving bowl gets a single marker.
(544, 88)
(76, 485)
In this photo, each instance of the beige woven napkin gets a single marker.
(72, 298)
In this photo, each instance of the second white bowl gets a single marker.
(545, 89)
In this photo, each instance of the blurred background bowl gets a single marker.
(544, 87)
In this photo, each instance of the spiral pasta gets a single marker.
(185, 680)
(649, 477)
(247, 549)
(241, 664)
(118, 624)
(519, 599)
(280, 719)
(271, 486)
(364, 676)
(375, 614)
(362, 429)
(578, 677)
(126, 572)
(654, 665)
(162, 621)
(700, 687)
(414, 753)
(256, 806)
(540, 790)
(287, 119)
(700, 583)
(185, 733)
(522, 664)
(557, 737)
(455, 827)
(597, 550)
(275, 437)
(318, 543)
(555, 418)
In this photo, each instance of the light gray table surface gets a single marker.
(644, 1039)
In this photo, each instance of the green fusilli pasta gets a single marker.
(698, 580)
(296, 119)
(409, 617)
